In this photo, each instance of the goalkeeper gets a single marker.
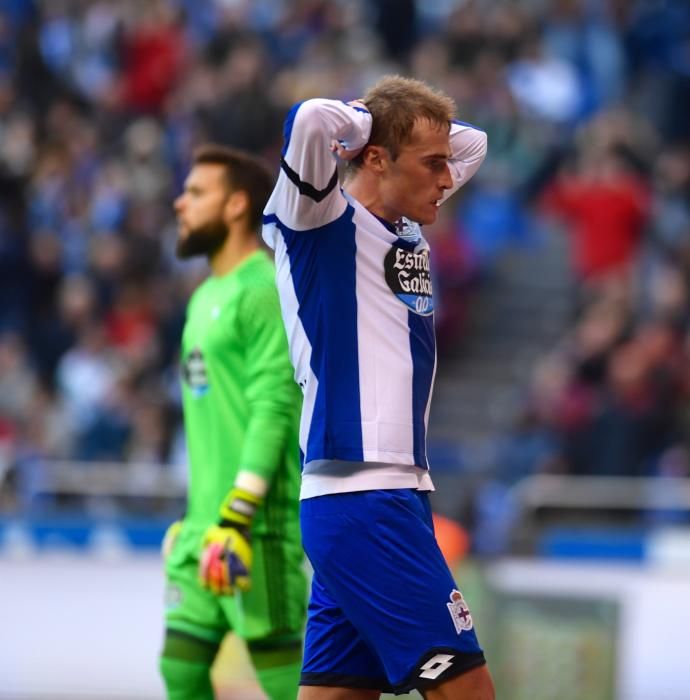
(235, 561)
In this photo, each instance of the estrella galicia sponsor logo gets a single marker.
(408, 274)
(194, 372)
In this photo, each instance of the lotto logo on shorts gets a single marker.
(435, 666)
(459, 612)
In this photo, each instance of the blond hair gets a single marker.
(396, 103)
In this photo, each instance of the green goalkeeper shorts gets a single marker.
(273, 608)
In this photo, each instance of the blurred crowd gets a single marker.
(586, 103)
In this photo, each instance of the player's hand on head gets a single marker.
(342, 153)
(226, 559)
(340, 149)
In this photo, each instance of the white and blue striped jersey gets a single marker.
(357, 303)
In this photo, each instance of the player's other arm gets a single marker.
(468, 147)
(271, 392)
(307, 193)
(273, 410)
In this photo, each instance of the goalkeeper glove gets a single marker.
(170, 538)
(226, 559)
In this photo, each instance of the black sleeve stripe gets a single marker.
(307, 189)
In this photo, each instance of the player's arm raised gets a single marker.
(307, 194)
(468, 147)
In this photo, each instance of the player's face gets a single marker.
(201, 229)
(415, 182)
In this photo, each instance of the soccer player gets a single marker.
(235, 561)
(353, 275)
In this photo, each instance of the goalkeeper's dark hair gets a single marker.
(243, 171)
(396, 103)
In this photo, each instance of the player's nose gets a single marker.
(446, 181)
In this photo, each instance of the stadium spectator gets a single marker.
(606, 206)
(102, 103)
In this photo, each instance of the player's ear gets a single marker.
(236, 206)
(375, 158)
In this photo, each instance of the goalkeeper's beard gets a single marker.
(203, 240)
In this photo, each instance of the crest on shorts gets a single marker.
(459, 612)
(173, 596)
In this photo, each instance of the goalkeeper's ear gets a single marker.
(237, 206)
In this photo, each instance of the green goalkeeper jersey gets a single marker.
(241, 403)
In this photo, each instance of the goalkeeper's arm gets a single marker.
(273, 402)
(226, 559)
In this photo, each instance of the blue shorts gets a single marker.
(385, 612)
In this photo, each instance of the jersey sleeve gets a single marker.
(307, 194)
(468, 147)
(271, 392)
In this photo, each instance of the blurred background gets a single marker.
(560, 427)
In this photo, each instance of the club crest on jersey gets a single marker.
(459, 612)
(408, 274)
(194, 373)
